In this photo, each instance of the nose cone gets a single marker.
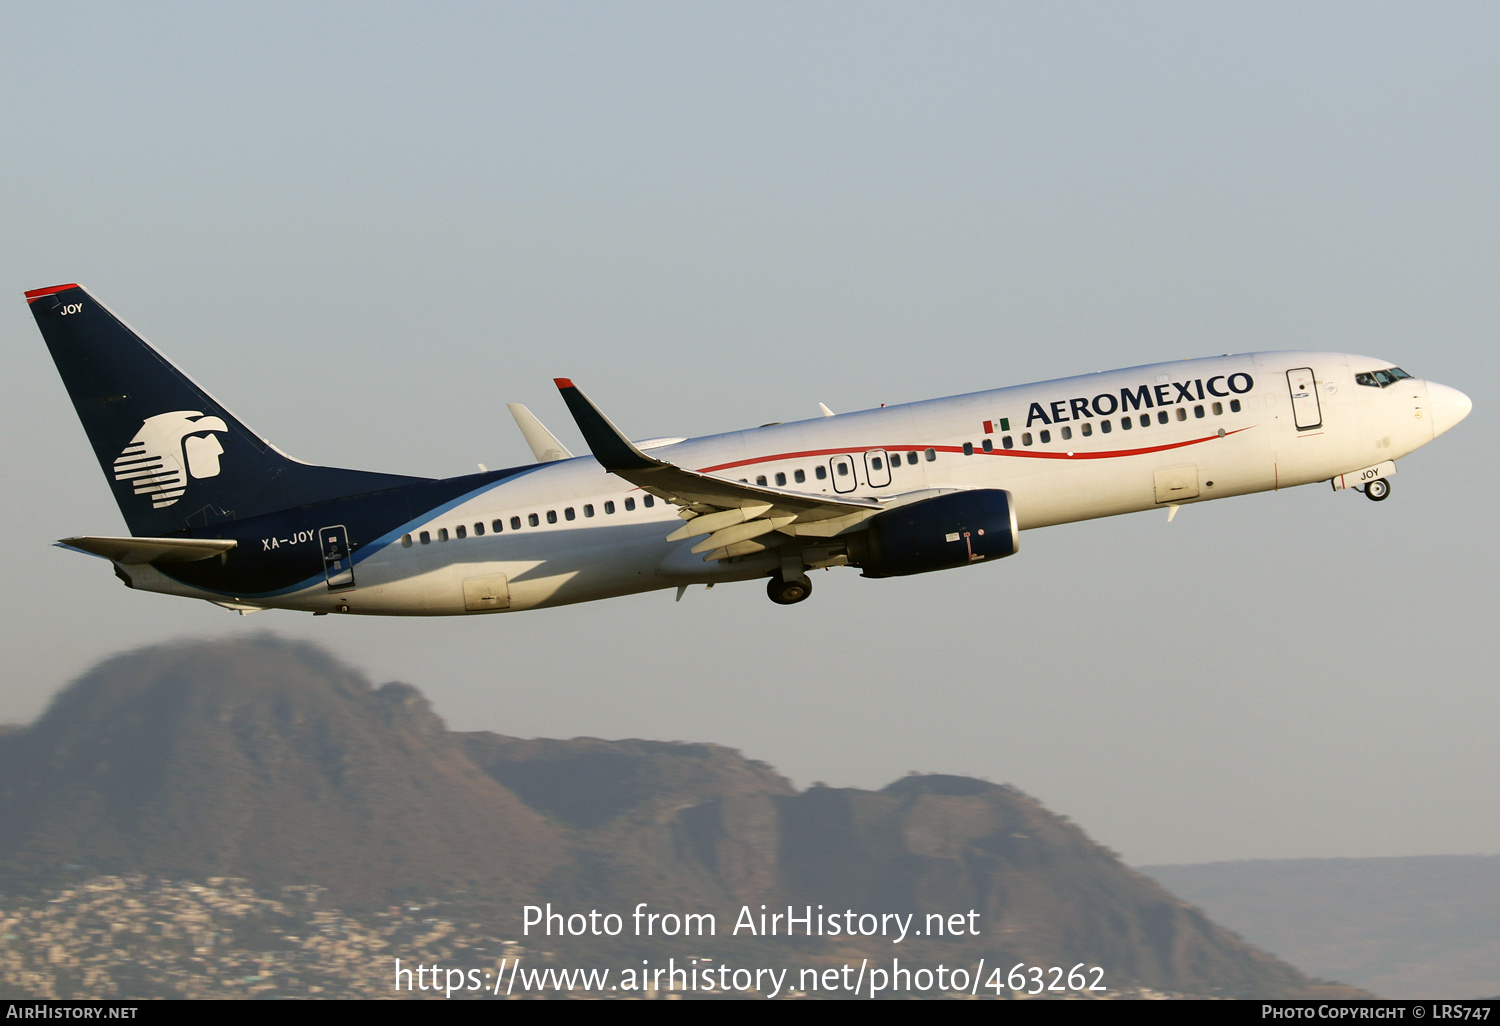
(1449, 406)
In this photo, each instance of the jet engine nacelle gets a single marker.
(938, 534)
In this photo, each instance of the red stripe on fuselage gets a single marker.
(1108, 455)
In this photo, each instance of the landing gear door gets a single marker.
(1305, 409)
(878, 468)
(338, 561)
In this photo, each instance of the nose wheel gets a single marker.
(788, 591)
(1378, 490)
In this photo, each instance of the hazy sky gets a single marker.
(367, 227)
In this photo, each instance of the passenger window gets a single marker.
(552, 516)
(479, 529)
(1218, 409)
(877, 463)
(568, 513)
(780, 479)
(497, 526)
(406, 541)
(968, 448)
(533, 519)
(1087, 429)
(650, 501)
(761, 480)
(989, 446)
(1008, 442)
(1045, 436)
(1181, 413)
(630, 504)
(588, 509)
(799, 476)
(911, 459)
(820, 472)
(1104, 426)
(1026, 438)
(442, 534)
(1067, 433)
(1161, 416)
(843, 468)
(1145, 420)
(1198, 412)
(515, 523)
(424, 538)
(609, 506)
(461, 531)
(1234, 406)
(931, 455)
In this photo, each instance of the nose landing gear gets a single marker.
(1378, 490)
(786, 591)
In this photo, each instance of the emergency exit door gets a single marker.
(1306, 412)
(841, 469)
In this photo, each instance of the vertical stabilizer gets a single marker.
(175, 458)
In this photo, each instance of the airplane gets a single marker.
(216, 512)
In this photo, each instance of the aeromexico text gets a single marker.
(808, 921)
(1144, 397)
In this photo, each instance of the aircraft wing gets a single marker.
(731, 513)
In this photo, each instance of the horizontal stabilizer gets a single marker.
(151, 550)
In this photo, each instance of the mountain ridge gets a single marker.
(1412, 927)
(267, 760)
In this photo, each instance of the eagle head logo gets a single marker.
(167, 450)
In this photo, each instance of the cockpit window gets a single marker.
(1381, 378)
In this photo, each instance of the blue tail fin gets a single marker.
(176, 459)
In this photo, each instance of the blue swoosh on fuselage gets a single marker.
(279, 554)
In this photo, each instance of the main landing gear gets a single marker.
(1378, 490)
(788, 591)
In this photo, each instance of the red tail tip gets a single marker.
(563, 382)
(39, 293)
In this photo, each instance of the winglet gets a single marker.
(544, 444)
(608, 444)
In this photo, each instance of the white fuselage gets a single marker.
(1197, 430)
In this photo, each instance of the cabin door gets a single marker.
(338, 561)
(1305, 409)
